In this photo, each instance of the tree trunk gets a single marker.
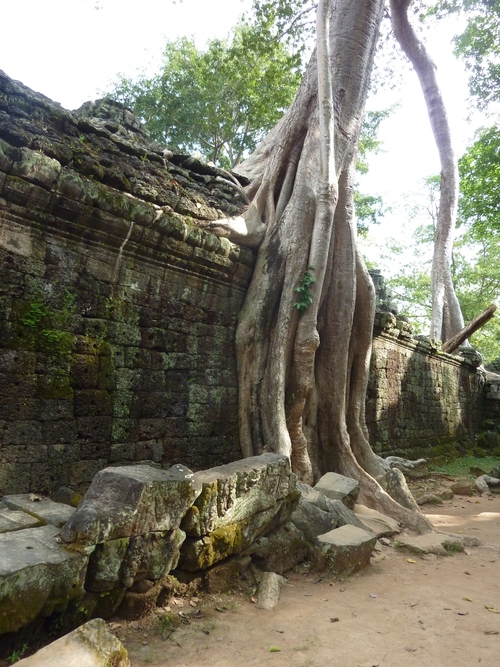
(303, 373)
(447, 319)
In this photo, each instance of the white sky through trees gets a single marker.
(69, 51)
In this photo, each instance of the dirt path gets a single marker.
(428, 613)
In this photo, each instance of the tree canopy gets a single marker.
(220, 100)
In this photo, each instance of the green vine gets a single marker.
(305, 296)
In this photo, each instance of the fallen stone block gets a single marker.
(91, 645)
(281, 550)
(312, 521)
(124, 561)
(131, 501)
(345, 550)
(11, 520)
(202, 553)
(461, 489)
(377, 523)
(43, 509)
(431, 543)
(338, 487)
(234, 492)
(37, 575)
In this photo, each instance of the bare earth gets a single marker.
(403, 611)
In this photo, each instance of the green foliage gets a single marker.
(220, 101)
(35, 314)
(16, 655)
(479, 168)
(478, 45)
(304, 292)
(50, 326)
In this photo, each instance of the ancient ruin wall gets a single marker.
(421, 403)
(117, 313)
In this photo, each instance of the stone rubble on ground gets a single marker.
(90, 645)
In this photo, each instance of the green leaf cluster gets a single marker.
(304, 292)
(221, 100)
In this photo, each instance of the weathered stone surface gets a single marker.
(377, 523)
(346, 549)
(201, 553)
(429, 499)
(281, 550)
(432, 543)
(338, 487)
(312, 521)
(131, 501)
(45, 510)
(223, 577)
(462, 489)
(151, 556)
(269, 590)
(11, 520)
(91, 645)
(234, 492)
(341, 514)
(36, 575)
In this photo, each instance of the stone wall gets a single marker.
(117, 312)
(421, 402)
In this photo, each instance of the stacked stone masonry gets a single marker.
(421, 403)
(117, 312)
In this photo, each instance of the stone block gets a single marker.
(338, 487)
(233, 538)
(37, 575)
(131, 501)
(346, 549)
(235, 492)
(282, 549)
(11, 520)
(91, 645)
(377, 523)
(45, 510)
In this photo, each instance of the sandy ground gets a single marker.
(403, 611)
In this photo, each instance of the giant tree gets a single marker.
(304, 334)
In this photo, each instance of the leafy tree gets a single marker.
(478, 45)
(221, 100)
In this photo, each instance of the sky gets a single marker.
(70, 51)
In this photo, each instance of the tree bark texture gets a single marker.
(447, 319)
(303, 373)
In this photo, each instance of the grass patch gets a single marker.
(460, 467)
